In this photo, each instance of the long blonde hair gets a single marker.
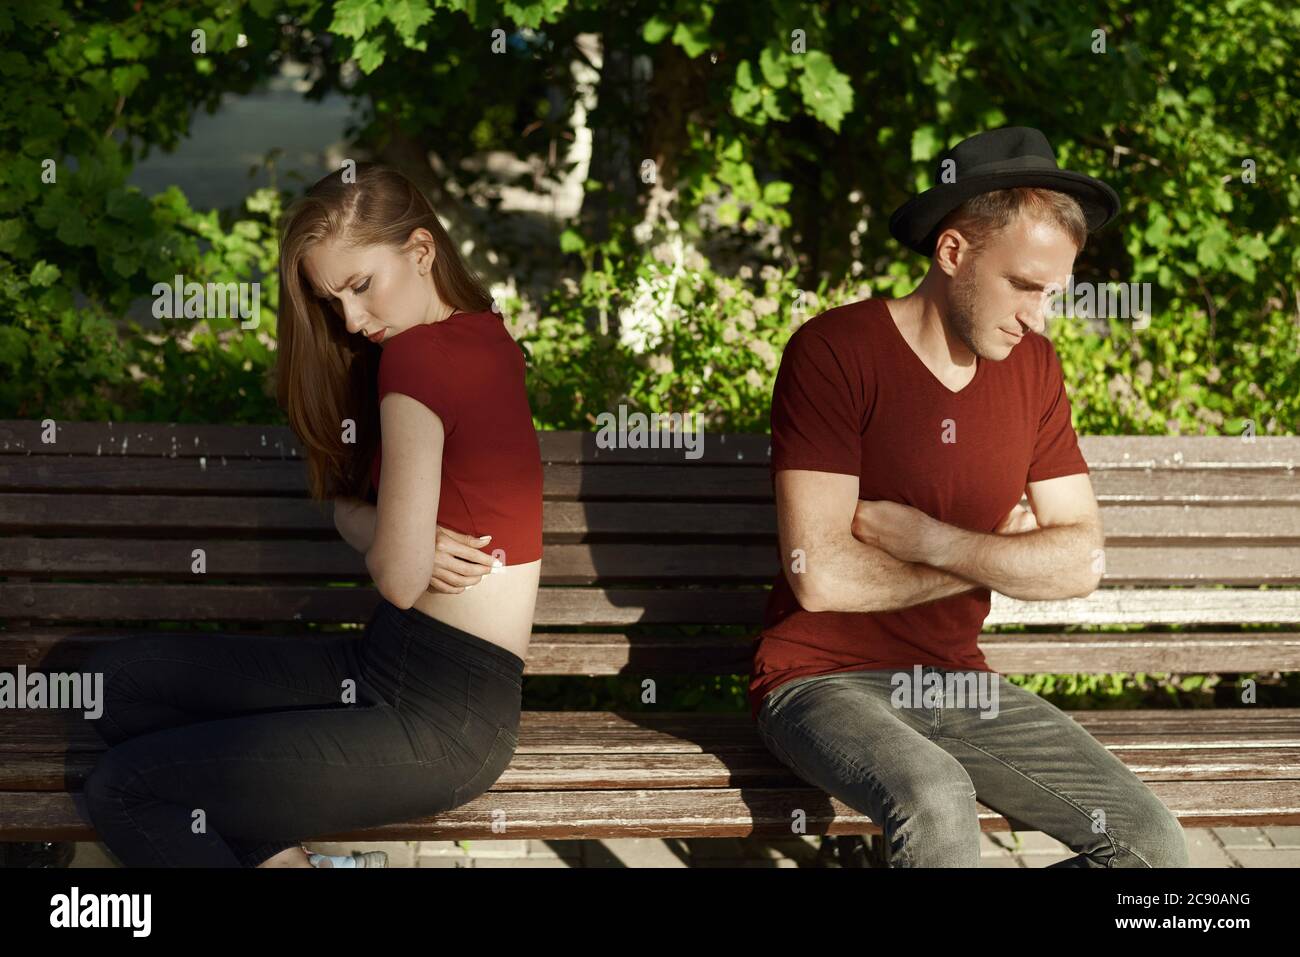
(325, 375)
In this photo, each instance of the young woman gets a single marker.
(228, 751)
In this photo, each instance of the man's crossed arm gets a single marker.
(842, 554)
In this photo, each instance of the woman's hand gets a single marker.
(458, 562)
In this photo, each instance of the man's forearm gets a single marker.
(1047, 563)
(863, 577)
(355, 521)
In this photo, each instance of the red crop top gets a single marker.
(470, 372)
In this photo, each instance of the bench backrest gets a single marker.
(106, 530)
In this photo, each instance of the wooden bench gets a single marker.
(654, 565)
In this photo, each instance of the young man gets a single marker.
(903, 434)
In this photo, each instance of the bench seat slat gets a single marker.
(601, 774)
(612, 653)
(595, 732)
(712, 812)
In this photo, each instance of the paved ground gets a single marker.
(1209, 847)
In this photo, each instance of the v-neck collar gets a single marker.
(980, 362)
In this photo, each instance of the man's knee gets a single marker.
(940, 792)
(1157, 839)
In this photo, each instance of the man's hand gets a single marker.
(1018, 521)
(906, 533)
(458, 562)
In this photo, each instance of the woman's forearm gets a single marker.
(355, 521)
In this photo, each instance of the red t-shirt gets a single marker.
(852, 397)
(470, 372)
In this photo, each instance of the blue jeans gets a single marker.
(915, 768)
(226, 749)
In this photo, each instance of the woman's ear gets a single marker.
(421, 243)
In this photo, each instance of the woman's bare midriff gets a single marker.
(498, 609)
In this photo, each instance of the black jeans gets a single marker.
(225, 750)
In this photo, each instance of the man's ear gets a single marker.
(951, 250)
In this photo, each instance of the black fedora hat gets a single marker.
(997, 159)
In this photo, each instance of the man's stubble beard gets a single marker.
(961, 309)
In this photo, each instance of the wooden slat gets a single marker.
(611, 606)
(250, 477)
(576, 774)
(647, 733)
(180, 440)
(713, 812)
(586, 751)
(164, 516)
(1152, 606)
(175, 516)
(551, 771)
(42, 474)
(613, 653)
(578, 564)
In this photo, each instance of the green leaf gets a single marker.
(926, 144)
(96, 43)
(125, 79)
(369, 53)
(773, 67)
(655, 30)
(744, 76)
(825, 90)
(407, 16)
(693, 38)
(120, 45)
(44, 273)
(1243, 267)
(1157, 231)
(571, 241)
(777, 192)
(1254, 247)
(743, 101)
(1209, 251)
(352, 18)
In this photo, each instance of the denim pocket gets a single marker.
(778, 696)
(498, 759)
(493, 698)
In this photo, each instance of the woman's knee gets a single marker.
(111, 781)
